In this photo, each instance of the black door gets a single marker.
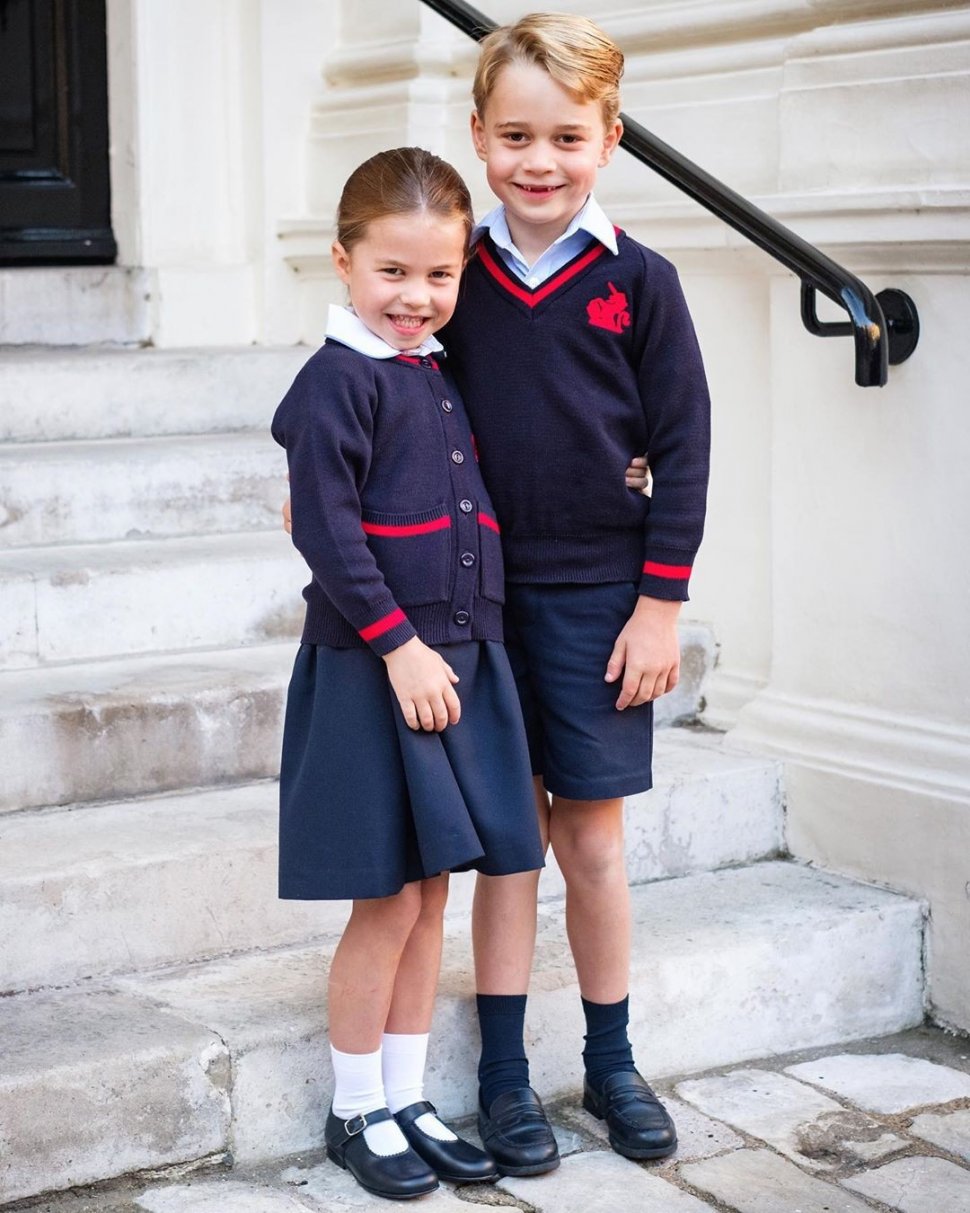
(54, 187)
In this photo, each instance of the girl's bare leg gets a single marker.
(504, 922)
(412, 1002)
(365, 967)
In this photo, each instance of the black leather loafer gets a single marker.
(638, 1123)
(517, 1135)
(457, 1161)
(395, 1176)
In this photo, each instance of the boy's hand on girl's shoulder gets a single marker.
(287, 513)
(638, 476)
(646, 653)
(424, 685)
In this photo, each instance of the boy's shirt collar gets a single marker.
(346, 326)
(590, 221)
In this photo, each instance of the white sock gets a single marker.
(358, 1089)
(403, 1069)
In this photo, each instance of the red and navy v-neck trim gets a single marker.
(503, 277)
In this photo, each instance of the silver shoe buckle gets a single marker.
(356, 1124)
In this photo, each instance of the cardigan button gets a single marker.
(462, 617)
(457, 457)
(465, 506)
(426, 362)
(447, 405)
(467, 559)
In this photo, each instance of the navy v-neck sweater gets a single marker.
(564, 384)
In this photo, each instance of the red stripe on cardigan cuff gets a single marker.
(673, 572)
(373, 630)
(484, 520)
(402, 532)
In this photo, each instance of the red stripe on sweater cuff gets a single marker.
(674, 572)
(372, 631)
(484, 520)
(401, 532)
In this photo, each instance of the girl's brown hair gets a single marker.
(401, 181)
(576, 53)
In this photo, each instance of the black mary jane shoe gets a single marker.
(516, 1133)
(457, 1161)
(394, 1176)
(638, 1123)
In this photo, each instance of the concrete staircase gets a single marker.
(162, 1006)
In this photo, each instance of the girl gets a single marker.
(388, 781)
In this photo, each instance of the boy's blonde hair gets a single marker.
(575, 52)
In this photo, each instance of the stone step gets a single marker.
(80, 889)
(49, 395)
(74, 305)
(231, 1054)
(88, 601)
(134, 726)
(121, 488)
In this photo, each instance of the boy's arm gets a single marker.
(676, 404)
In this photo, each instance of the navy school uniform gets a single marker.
(574, 375)
(391, 515)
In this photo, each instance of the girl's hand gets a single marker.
(424, 685)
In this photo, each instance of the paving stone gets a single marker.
(697, 1135)
(917, 1185)
(757, 1181)
(219, 1196)
(885, 1082)
(600, 1182)
(948, 1130)
(100, 1085)
(328, 1189)
(794, 1118)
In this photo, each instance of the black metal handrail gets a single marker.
(885, 327)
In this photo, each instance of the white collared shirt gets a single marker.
(346, 326)
(590, 221)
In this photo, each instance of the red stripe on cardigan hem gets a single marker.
(673, 571)
(402, 532)
(484, 520)
(372, 631)
(530, 298)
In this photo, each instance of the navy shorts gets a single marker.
(559, 639)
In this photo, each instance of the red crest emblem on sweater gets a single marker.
(610, 313)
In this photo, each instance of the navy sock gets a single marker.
(503, 1065)
(608, 1050)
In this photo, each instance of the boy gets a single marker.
(574, 346)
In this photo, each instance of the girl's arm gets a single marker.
(326, 422)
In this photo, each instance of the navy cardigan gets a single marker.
(389, 508)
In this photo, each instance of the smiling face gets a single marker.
(542, 149)
(403, 275)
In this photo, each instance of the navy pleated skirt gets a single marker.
(368, 805)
